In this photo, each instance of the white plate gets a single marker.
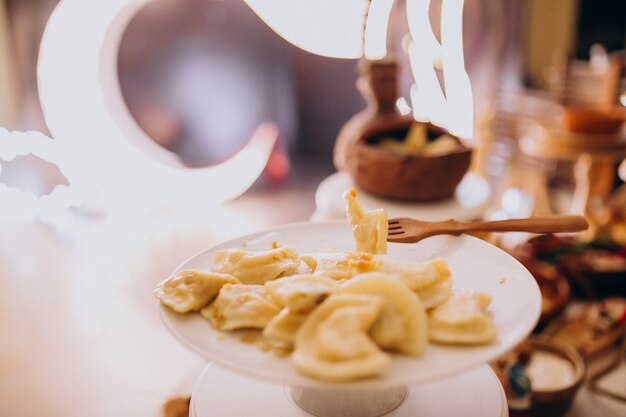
(474, 264)
(469, 201)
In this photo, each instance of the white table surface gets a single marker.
(80, 331)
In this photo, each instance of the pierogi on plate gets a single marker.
(343, 314)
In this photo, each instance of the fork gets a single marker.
(406, 230)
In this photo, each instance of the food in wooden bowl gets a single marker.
(408, 160)
(593, 120)
(597, 271)
(593, 269)
(555, 289)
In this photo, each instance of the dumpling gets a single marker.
(343, 265)
(369, 227)
(284, 326)
(307, 265)
(301, 293)
(190, 290)
(333, 343)
(309, 262)
(462, 319)
(256, 267)
(431, 280)
(240, 306)
(401, 325)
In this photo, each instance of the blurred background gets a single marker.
(199, 76)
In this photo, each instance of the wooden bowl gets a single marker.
(405, 175)
(555, 290)
(554, 286)
(592, 120)
(598, 273)
(556, 402)
(592, 271)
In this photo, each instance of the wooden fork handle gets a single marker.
(553, 224)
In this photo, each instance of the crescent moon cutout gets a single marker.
(102, 144)
(332, 28)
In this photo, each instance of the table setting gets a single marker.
(373, 208)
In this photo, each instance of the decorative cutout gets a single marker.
(102, 151)
(454, 109)
(18, 205)
(332, 28)
(84, 109)
(355, 28)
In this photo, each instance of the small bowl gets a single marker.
(554, 286)
(405, 175)
(555, 290)
(598, 273)
(592, 120)
(556, 402)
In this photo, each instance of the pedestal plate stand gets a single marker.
(244, 380)
(219, 392)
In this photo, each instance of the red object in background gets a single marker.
(278, 166)
(621, 319)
